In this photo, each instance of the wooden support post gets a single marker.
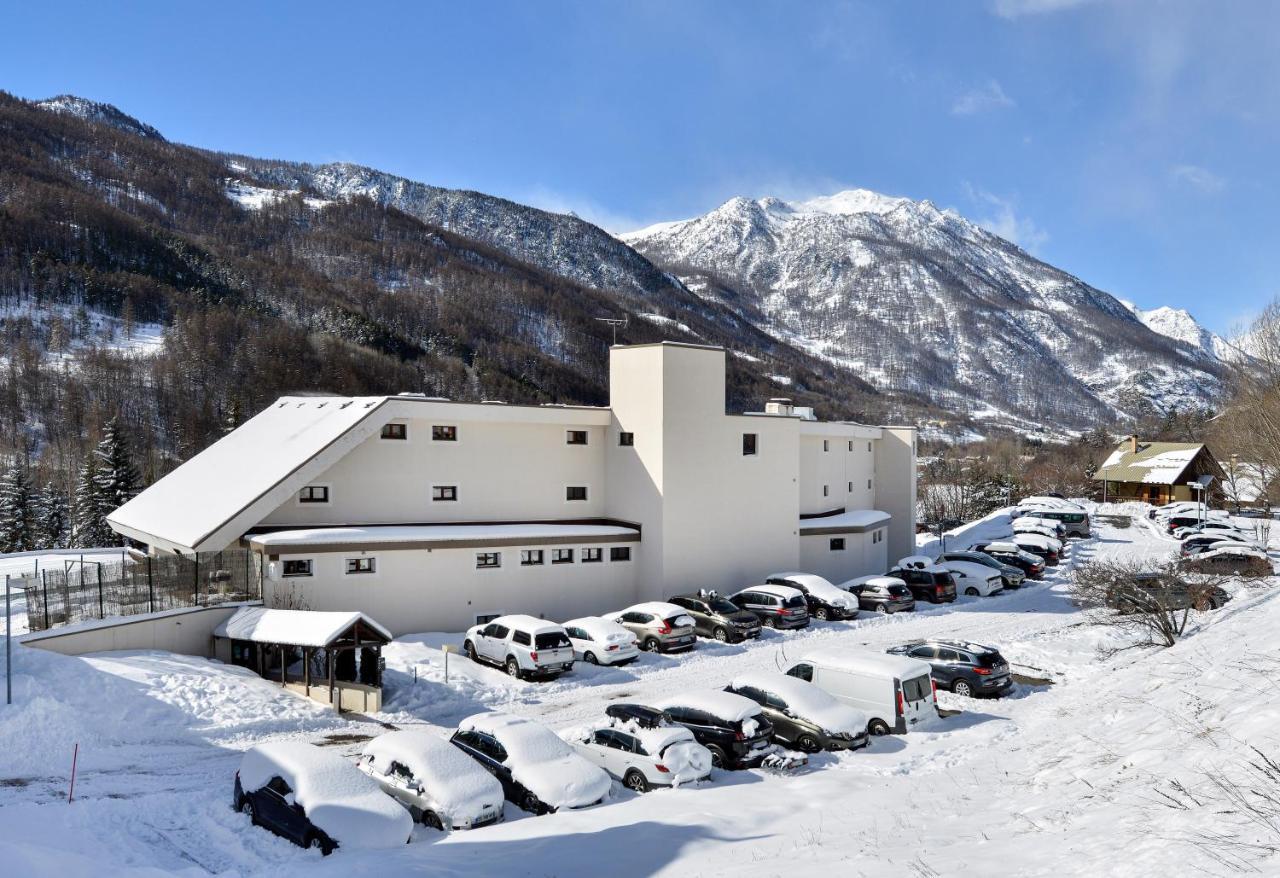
(306, 669)
(284, 666)
(329, 652)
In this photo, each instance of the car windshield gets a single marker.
(917, 688)
(552, 640)
(793, 601)
(899, 591)
(720, 605)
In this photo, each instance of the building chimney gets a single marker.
(1133, 444)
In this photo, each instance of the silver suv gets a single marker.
(658, 626)
(777, 606)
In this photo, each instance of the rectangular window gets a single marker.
(851, 445)
(826, 490)
(576, 437)
(486, 618)
(620, 553)
(562, 556)
(851, 487)
(444, 433)
(868, 484)
(575, 492)
(748, 444)
(395, 431)
(591, 556)
(868, 446)
(297, 568)
(826, 445)
(444, 492)
(360, 565)
(530, 557)
(314, 494)
(488, 559)
(626, 440)
(837, 544)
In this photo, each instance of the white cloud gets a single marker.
(981, 100)
(1001, 218)
(1019, 8)
(593, 212)
(1201, 179)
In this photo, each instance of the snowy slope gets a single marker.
(1179, 325)
(920, 298)
(93, 111)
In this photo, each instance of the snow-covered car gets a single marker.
(825, 601)
(734, 729)
(1049, 501)
(804, 717)
(927, 581)
(642, 748)
(524, 646)
(1012, 576)
(975, 580)
(1197, 543)
(1037, 525)
(539, 772)
(1232, 560)
(316, 799)
(776, 606)
(435, 781)
(1074, 520)
(659, 626)
(1208, 527)
(1009, 553)
(1045, 547)
(599, 641)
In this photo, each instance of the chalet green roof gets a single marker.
(1154, 463)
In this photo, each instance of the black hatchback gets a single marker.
(967, 669)
(932, 584)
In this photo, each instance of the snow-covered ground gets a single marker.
(1103, 767)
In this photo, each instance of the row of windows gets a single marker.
(826, 445)
(826, 489)
(528, 558)
(449, 433)
(837, 543)
(353, 566)
(439, 493)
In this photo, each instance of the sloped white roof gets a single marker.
(291, 627)
(215, 496)
(851, 521)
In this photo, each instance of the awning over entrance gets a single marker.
(854, 521)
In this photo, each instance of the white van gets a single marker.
(896, 692)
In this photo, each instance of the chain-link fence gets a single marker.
(94, 589)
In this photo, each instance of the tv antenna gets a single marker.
(615, 322)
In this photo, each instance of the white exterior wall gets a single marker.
(863, 555)
(416, 590)
(896, 487)
(844, 465)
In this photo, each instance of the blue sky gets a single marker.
(1131, 143)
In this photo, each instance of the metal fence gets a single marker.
(84, 589)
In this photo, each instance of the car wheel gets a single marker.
(651, 644)
(808, 744)
(878, 728)
(721, 635)
(590, 658)
(513, 667)
(531, 803)
(718, 759)
(470, 649)
(432, 819)
(971, 592)
(770, 622)
(246, 807)
(882, 610)
(316, 843)
(635, 781)
(962, 688)
(821, 613)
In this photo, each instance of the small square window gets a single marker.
(575, 493)
(748, 444)
(395, 431)
(444, 493)
(530, 557)
(626, 440)
(592, 556)
(488, 559)
(837, 544)
(620, 553)
(360, 565)
(297, 568)
(562, 556)
(314, 494)
(576, 437)
(444, 433)
(868, 446)
(868, 484)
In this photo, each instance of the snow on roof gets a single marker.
(922, 562)
(1233, 549)
(451, 777)
(1038, 540)
(428, 533)
(661, 609)
(851, 521)
(973, 568)
(600, 629)
(863, 661)
(806, 700)
(530, 624)
(541, 761)
(818, 586)
(337, 797)
(877, 579)
(1154, 463)
(724, 706)
(780, 591)
(291, 627)
(215, 496)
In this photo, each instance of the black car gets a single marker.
(1008, 553)
(272, 808)
(825, 601)
(883, 594)
(717, 617)
(1011, 576)
(729, 744)
(932, 584)
(968, 669)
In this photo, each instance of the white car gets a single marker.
(826, 601)
(1039, 541)
(522, 645)
(643, 750)
(975, 580)
(1035, 524)
(598, 641)
(1210, 527)
(433, 779)
(538, 771)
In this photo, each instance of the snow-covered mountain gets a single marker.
(1178, 324)
(93, 111)
(921, 299)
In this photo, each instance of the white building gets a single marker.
(430, 515)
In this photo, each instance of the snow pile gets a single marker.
(807, 701)
(292, 627)
(541, 761)
(347, 804)
(454, 780)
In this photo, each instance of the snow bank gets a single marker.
(451, 777)
(541, 761)
(337, 797)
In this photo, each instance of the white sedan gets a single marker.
(598, 641)
(973, 579)
(643, 755)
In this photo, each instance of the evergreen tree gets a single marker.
(52, 518)
(17, 514)
(89, 527)
(117, 478)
